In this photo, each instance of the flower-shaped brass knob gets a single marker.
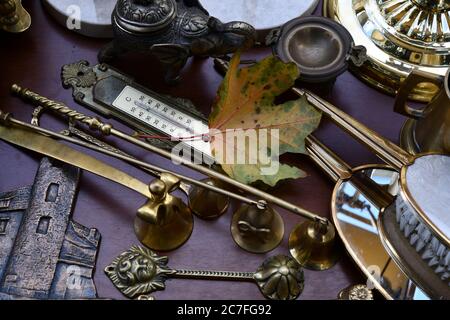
(139, 271)
(280, 278)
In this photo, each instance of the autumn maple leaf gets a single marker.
(245, 105)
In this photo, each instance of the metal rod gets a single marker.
(94, 141)
(336, 168)
(383, 148)
(45, 145)
(129, 159)
(107, 129)
(213, 275)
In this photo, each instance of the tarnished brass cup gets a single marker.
(207, 204)
(164, 223)
(313, 245)
(257, 229)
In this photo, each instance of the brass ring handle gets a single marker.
(414, 78)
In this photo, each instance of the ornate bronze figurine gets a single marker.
(173, 31)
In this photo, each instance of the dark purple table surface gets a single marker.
(34, 58)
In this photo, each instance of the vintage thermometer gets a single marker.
(169, 121)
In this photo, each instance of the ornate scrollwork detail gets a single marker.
(194, 25)
(78, 74)
(8, 14)
(151, 12)
(356, 292)
(138, 271)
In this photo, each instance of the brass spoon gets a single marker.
(140, 271)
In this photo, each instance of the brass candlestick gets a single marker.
(13, 17)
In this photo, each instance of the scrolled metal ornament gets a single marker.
(138, 271)
(78, 74)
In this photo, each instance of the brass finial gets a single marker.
(164, 223)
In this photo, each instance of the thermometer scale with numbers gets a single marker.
(112, 94)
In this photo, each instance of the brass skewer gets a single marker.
(107, 129)
(124, 157)
(71, 130)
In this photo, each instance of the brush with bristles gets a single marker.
(420, 254)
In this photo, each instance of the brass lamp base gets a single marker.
(257, 230)
(207, 204)
(314, 245)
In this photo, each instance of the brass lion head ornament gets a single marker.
(138, 271)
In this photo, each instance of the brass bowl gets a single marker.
(319, 46)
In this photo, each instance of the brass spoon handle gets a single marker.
(107, 129)
(213, 275)
(385, 149)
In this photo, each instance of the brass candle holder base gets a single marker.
(313, 245)
(257, 229)
(397, 38)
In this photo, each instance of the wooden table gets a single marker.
(33, 59)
